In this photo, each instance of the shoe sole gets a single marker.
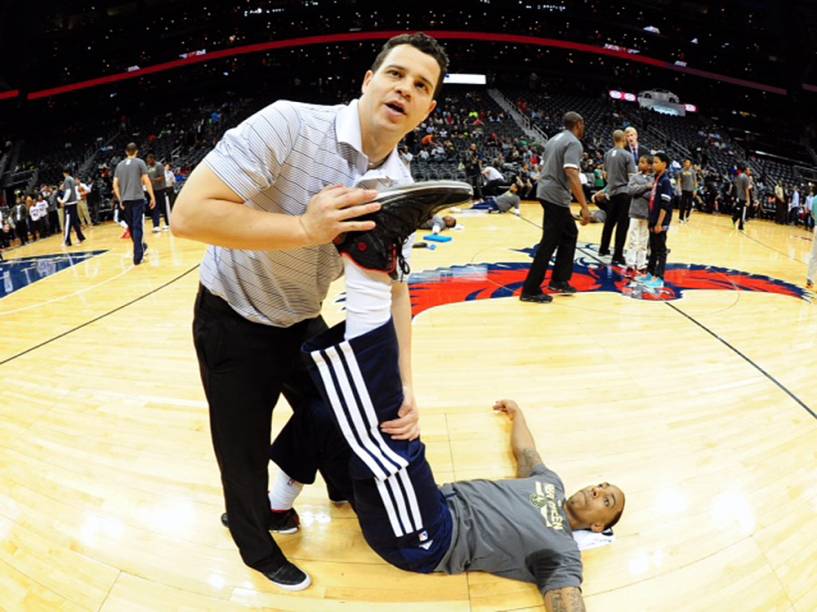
(294, 587)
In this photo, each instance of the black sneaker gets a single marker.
(564, 288)
(289, 577)
(285, 522)
(538, 298)
(404, 210)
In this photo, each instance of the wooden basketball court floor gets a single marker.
(701, 409)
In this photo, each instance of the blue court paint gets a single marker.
(18, 273)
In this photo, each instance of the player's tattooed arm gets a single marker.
(526, 460)
(564, 600)
(522, 443)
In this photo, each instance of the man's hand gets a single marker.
(331, 211)
(509, 407)
(152, 204)
(585, 215)
(657, 229)
(407, 426)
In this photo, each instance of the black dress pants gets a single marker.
(559, 233)
(658, 253)
(245, 367)
(618, 216)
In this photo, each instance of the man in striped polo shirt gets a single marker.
(271, 198)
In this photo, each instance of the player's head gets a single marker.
(632, 135)
(66, 171)
(597, 507)
(399, 89)
(574, 122)
(645, 164)
(687, 164)
(514, 188)
(131, 149)
(660, 162)
(619, 138)
(450, 221)
(151, 159)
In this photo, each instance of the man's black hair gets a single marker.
(571, 119)
(421, 42)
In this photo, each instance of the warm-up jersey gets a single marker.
(513, 528)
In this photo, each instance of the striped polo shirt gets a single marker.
(276, 161)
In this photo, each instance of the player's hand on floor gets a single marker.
(507, 406)
(407, 425)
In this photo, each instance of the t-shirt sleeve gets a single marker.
(573, 155)
(666, 196)
(143, 168)
(249, 157)
(555, 570)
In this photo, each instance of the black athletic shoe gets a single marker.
(285, 522)
(538, 298)
(564, 288)
(289, 577)
(404, 210)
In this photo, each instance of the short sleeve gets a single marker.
(555, 570)
(573, 155)
(249, 157)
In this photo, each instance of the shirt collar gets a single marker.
(391, 172)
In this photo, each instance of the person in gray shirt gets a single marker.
(156, 174)
(618, 166)
(689, 183)
(742, 186)
(559, 180)
(130, 180)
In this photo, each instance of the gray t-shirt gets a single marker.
(562, 151)
(507, 201)
(129, 172)
(618, 163)
(741, 185)
(69, 191)
(687, 180)
(514, 529)
(156, 173)
(436, 221)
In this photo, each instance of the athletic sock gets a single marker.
(368, 299)
(283, 492)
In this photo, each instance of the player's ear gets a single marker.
(596, 527)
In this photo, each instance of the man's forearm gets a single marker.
(564, 600)
(401, 315)
(236, 226)
(523, 447)
(578, 192)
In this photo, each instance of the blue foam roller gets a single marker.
(438, 238)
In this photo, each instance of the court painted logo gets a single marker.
(504, 279)
(18, 273)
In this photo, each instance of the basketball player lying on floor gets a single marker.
(517, 528)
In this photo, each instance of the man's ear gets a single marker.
(431, 108)
(367, 78)
(596, 527)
